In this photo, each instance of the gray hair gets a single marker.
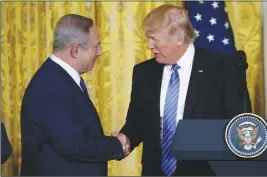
(72, 29)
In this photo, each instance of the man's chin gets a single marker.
(159, 60)
(87, 70)
(91, 67)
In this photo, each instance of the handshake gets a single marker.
(125, 142)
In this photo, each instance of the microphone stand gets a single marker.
(241, 66)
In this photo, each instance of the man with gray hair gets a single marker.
(60, 128)
(181, 81)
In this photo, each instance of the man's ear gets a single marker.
(180, 38)
(179, 43)
(74, 50)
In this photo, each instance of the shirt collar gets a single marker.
(71, 71)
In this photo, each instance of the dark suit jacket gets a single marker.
(60, 128)
(6, 148)
(212, 94)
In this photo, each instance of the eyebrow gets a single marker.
(97, 44)
(152, 36)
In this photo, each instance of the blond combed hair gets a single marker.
(173, 20)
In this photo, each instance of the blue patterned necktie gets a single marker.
(169, 121)
(82, 84)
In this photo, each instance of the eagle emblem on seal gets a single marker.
(248, 135)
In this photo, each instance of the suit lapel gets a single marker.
(83, 95)
(195, 83)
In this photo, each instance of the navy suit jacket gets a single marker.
(6, 148)
(60, 128)
(213, 93)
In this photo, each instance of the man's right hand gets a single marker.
(125, 142)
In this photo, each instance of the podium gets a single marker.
(205, 140)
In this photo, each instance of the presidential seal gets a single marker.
(246, 135)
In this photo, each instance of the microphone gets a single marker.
(241, 66)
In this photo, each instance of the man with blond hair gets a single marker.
(60, 128)
(182, 81)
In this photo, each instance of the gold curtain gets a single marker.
(26, 41)
(246, 21)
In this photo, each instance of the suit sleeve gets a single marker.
(70, 138)
(6, 148)
(233, 91)
(132, 126)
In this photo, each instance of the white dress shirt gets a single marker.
(185, 64)
(71, 71)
